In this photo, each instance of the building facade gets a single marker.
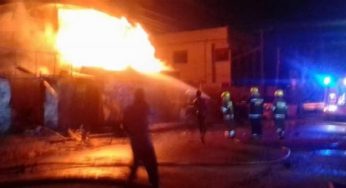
(199, 57)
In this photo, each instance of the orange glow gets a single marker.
(43, 71)
(91, 38)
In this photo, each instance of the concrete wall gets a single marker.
(199, 45)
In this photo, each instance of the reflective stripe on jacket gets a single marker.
(255, 116)
(279, 116)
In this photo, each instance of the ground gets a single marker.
(311, 155)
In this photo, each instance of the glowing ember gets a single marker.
(89, 38)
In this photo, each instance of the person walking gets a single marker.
(228, 114)
(256, 111)
(280, 112)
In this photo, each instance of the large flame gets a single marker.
(90, 38)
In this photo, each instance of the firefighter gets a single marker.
(255, 113)
(228, 114)
(136, 124)
(280, 112)
(200, 108)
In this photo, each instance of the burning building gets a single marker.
(69, 65)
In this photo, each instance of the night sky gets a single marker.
(245, 13)
(311, 34)
(239, 12)
(313, 30)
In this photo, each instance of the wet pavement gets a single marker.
(316, 152)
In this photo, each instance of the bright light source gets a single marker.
(327, 80)
(344, 81)
(331, 127)
(332, 96)
(334, 128)
(331, 108)
(90, 38)
(342, 100)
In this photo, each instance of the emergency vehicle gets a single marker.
(335, 99)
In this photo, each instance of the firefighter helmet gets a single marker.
(254, 91)
(226, 95)
(279, 93)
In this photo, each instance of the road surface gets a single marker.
(316, 152)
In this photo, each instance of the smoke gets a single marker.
(27, 32)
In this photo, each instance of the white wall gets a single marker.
(198, 44)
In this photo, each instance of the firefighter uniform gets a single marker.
(228, 114)
(279, 112)
(256, 111)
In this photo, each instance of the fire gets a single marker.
(90, 38)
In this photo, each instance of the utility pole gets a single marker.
(230, 65)
(213, 68)
(262, 56)
(278, 63)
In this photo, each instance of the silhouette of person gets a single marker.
(136, 125)
(201, 112)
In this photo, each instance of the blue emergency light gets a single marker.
(327, 80)
(344, 81)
